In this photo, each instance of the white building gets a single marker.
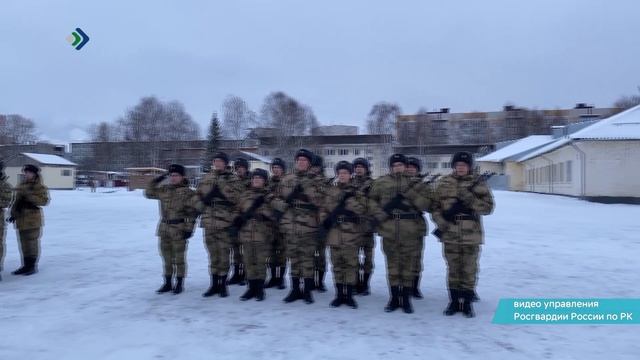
(600, 162)
(56, 171)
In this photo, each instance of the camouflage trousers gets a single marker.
(173, 249)
(344, 261)
(462, 264)
(277, 255)
(301, 250)
(29, 242)
(255, 258)
(320, 263)
(237, 251)
(365, 252)
(219, 246)
(418, 266)
(401, 257)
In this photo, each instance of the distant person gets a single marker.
(26, 215)
(6, 195)
(92, 184)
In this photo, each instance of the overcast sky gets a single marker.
(339, 57)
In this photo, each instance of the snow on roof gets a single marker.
(264, 159)
(517, 148)
(622, 126)
(46, 159)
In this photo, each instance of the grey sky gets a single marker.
(340, 57)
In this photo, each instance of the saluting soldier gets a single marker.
(26, 214)
(277, 256)
(241, 169)
(298, 204)
(254, 229)
(363, 181)
(344, 208)
(461, 199)
(179, 208)
(219, 192)
(398, 206)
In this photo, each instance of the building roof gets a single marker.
(518, 148)
(254, 156)
(46, 159)
(622, 126)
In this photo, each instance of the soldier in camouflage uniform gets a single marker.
(363, 181)
(277, 257)
(241, 169)
(461, 198)
(178, 210)
(255, 231)
(414, 166)
(320, 264)
(344, 208)
(397, 203)
(31, 194)
(298, 204)
(219, 192)
(6, 195)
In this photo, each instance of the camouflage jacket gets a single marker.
(301, 215)
(364, 184)
(478, 200)
(6, 194)
(219, 213)
(346, 228)
(179, 206)
(30, 196)
(417, 198)
(258, 228)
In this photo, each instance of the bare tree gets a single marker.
(237, 118)
(382, 118)
(16, 129)
(626, 102)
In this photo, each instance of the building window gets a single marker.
(445, 165)
(331, 151)
(65, 172)
(568, 170)
(343, 152)
(369, 151)
(432, 165)
(356, 152)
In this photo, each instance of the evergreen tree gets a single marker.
(213, 142)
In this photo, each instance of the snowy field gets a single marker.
(94, 297)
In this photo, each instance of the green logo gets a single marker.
(78, 39)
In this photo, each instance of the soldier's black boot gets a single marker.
(178, 288)
(31, 268)
(21, 270)
(407, 293)
(467, 308)
(222, 281)
(416, 288)
(365, 284)
(259, 286)
(236, 278)
(320, 285)
(394, 301)
(306, 294)
(339, 296)
(273, 280)
(295, 293)
(243, 276)
(454, 303)
(166, 287)
(348, 298)
(280, 278)
(250, 293)
(214, 288)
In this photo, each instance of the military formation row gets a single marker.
(256, 224)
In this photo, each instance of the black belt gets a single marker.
(221, 203)
(347, 219)
(173, 221)
(407, 216)
(465, 217)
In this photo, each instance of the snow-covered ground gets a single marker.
(94, 297)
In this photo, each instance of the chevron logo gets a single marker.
(78, 39)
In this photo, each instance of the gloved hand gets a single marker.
(187, 234)
(466, 196)
(454, 210)
(233, 231)
(11, 219)
(159, 179)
